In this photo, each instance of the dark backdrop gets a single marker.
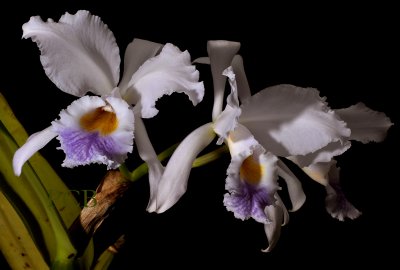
(348, 53)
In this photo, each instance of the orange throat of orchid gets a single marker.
(102, 119)
(251, 171)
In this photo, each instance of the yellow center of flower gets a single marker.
(102, 119)
(251, 170)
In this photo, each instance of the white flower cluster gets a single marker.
(80, 55)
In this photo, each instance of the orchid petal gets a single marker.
(173, 183)
(366, 125)
(319, 172)
(325, 154)
(202, 60)
(79, 53)
(295, 190)
(148, 155)
(273, 229)
(242, 143)
(247, 199)
(336, 202)
(228, 119)
(137, 52)
(34, 143)
(170, 71)
(279, 202)
(221, 53)
(90, 143)
(251, 184)
(290, 120)
(241, 79)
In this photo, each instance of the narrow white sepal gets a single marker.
(34, 143)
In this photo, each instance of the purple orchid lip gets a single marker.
(88, 147)
(95, 130)
(248, 201)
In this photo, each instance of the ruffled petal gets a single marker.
(247, 201)
(94, 130)
(336, 202)
(241, 79)
(245, 198)
(366, 125)
(273, 229)
(290, 120)
(295, 190)
(228, 119)
(325, 154)
(251, 177)
(34, 143)
(170, 71)
(137, 52)
(221, 53)
(148, 155)
(238, 68)
(173, 183)
(79, 53)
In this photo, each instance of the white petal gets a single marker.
(148, 155)
(295, 190)
(248, 197)
(290, 120)
(79, 53)
(241, 79)
(170, 71)
(242, 143)
(228, 119)
(202, 60)
(221, 53)
(83, 146)
(273, 229)
(285, 211)
(366, 125)
(325, 154)
(126, 122)
(137, 52)
(336, 202)
(173, 183)
(34, 143)
(319, 171)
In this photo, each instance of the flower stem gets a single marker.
(143, 168)
(209, 157)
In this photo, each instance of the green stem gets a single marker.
(209, 157)
(143, 168)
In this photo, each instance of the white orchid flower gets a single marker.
(79, 54)
(283, 120)
(278, 121)
(366, 126)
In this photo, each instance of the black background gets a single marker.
(348, 53)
